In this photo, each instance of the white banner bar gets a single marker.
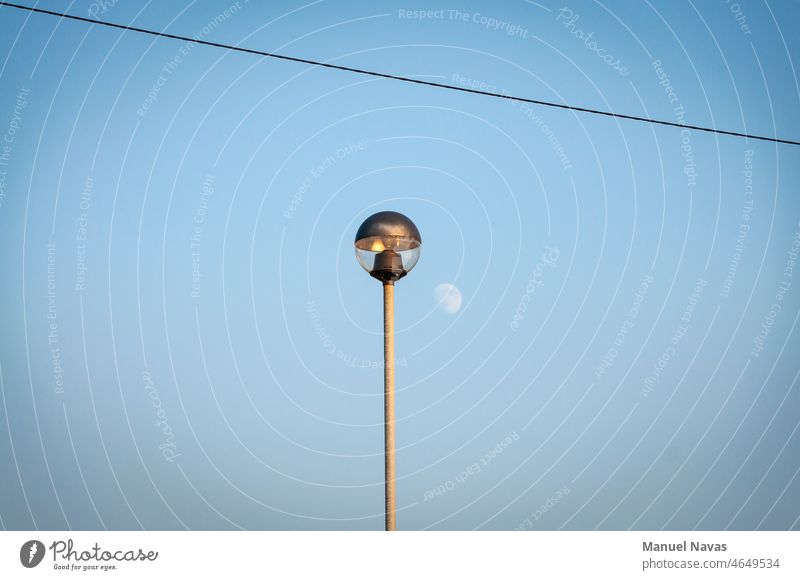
(406, 555)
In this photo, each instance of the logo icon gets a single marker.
(31, 553)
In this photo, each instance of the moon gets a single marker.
(448, 298)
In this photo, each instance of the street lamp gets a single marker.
(388, 246)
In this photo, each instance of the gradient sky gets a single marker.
(187, 340)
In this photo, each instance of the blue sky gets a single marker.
(188, 341)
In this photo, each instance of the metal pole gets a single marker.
(388, 402)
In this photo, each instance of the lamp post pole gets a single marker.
(388, 403)
(388, 246)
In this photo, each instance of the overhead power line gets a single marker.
(397, 77)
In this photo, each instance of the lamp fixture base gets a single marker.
(388, 267)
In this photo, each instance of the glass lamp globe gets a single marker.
(388, 245)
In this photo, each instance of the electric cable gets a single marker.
(398, 77)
